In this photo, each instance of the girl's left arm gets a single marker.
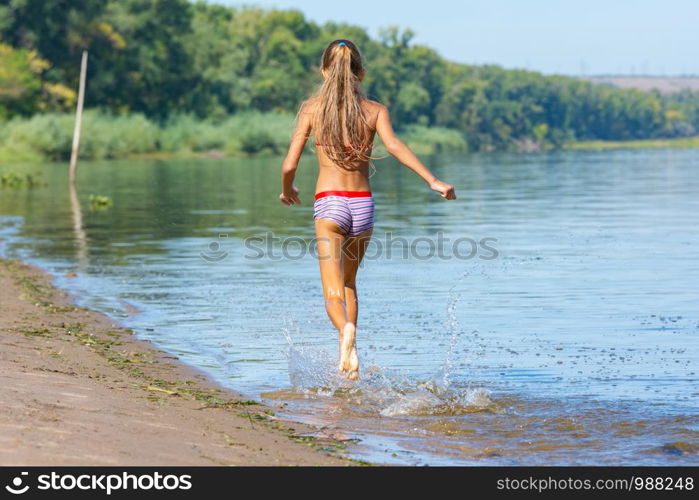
(290, 193)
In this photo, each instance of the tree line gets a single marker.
(162, 58)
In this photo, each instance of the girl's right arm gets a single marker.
(290, 193)
(401, 152)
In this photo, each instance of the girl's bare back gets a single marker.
(332, 176)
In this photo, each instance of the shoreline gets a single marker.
(215, 154)
(598, 145)
(420, 147)
(82, 390)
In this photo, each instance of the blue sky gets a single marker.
(591, 37)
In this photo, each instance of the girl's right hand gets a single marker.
(445, 190)
(292, 198)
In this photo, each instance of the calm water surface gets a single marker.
(567, 333)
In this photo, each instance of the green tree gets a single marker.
(167, 58)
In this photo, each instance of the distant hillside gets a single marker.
(664, 84)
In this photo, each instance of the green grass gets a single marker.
(244, 133)
(48, 137)
(429, 140)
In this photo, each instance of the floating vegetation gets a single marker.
(99, 202)
(13, 180)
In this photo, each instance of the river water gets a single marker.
(547, 317)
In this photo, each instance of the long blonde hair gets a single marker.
(340, 125)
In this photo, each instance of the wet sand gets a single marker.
(77, 389)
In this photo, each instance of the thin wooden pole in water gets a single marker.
(78, 119)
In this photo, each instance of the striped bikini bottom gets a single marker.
(353, 211)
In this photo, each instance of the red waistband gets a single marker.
(349, 194)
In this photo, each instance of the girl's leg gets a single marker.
(353, 252)
(330, 238)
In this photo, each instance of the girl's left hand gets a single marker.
(444, 189)
(292, 198)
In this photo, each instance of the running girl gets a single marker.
(344, 123)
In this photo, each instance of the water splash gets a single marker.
(313, 372)
(310, 369)
(452, 327)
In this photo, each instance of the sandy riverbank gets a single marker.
(78, 389)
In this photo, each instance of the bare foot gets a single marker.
(353, 368)
(346, 344)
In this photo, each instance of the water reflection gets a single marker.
(81, 256)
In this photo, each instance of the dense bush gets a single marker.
(425, 140)
(49, 136)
